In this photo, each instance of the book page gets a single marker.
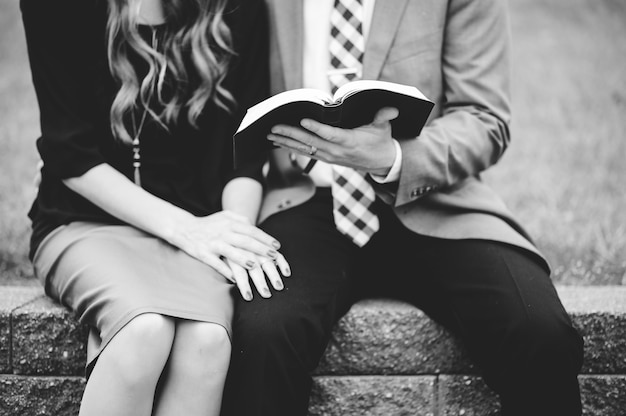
(301, 94)
(360, 85)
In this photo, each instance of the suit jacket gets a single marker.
(457, 53)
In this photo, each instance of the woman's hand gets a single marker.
(214, 239)
(244, 196)
(267, 269)
(226, 236)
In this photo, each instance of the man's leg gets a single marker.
(278, 342)
(500, 301)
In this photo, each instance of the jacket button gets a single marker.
(284, 204)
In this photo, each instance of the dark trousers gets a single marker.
(497, 298)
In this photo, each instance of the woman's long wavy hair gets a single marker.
(191, 61)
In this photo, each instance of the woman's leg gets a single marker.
(125, 376)
(193, 381)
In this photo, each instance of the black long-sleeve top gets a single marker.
(185, 166)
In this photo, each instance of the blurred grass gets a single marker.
(564, 172)
(563, 175)
(19, 118)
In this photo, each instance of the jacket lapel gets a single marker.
(383, 28)
(289, 32)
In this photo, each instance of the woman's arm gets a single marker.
(209, 239)
(243, 193)
(243, 196)
(65, 85)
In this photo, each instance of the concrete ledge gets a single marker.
(441, 395)
(11, 298)
(47, 340)
(408, 365)
(39, 396)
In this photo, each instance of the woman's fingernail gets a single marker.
(272, 254)
(278, 285)
(250, 264)
(287, 271)
(247, 295)
(266, 292)
(276, 244)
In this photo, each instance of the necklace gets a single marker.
(136, 147)
(138, 129)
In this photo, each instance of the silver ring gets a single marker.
(313, 151)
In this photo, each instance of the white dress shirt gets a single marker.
(316, 63)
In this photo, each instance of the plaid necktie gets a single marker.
(353, 196)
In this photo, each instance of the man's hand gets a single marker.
(266, 269)
(368, 148)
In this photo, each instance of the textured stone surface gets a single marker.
(604, 335)
(385, 358)
(603, 395)
(376, 337)
(391, 337)
(375, 396)
(466, 395)
(336, 396)
(47, 340)
(599, 314)
(40, 396)
(10, 299)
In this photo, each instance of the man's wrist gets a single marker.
(393, 174)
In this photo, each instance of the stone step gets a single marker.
(407, 365)
(426, 395)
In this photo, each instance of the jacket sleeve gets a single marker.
(63, 46)
(472, 131)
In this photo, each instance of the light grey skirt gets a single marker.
(109, 274)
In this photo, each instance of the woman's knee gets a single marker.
(206, 338)
(201, 347)
(151, 328)
(141, 348)
(201, 351)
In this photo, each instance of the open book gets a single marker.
(353, 105)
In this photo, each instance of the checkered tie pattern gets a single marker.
(353, 196)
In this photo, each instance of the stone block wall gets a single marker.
(386, 358)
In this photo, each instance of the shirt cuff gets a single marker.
(394, 172)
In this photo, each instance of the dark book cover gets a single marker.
(355, 109)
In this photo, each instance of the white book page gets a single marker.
(301, 94)
(364, 84)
